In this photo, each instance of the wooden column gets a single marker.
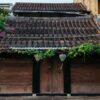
(36, 77)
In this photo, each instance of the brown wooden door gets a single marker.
(16, 76)
(51, 79)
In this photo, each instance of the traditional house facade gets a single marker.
(22, 69)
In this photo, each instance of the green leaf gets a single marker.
(72, 53)
(86, 48)
(49, 53)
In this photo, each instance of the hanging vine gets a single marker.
(81, 50)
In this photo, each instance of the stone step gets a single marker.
(51, 98)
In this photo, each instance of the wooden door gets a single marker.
(51, 79)
(16, 76)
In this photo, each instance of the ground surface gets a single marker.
(50, 98)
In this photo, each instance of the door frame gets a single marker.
(66, 82)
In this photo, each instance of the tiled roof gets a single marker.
(31, 7)
(42, 33)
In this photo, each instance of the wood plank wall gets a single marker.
(16, 76)
(85, 78)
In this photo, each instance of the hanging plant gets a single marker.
(97, 49)
(62, 58)
(49, 53)
(72, 53)
(86, 48)
(83, 49)
(38, 56)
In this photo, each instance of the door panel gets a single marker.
(16, 76)
(51, 79)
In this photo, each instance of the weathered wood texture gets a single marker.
(85, 78)
(15, 76)
(51, 80)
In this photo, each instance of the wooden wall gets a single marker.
(16, 76)
(85, 78)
